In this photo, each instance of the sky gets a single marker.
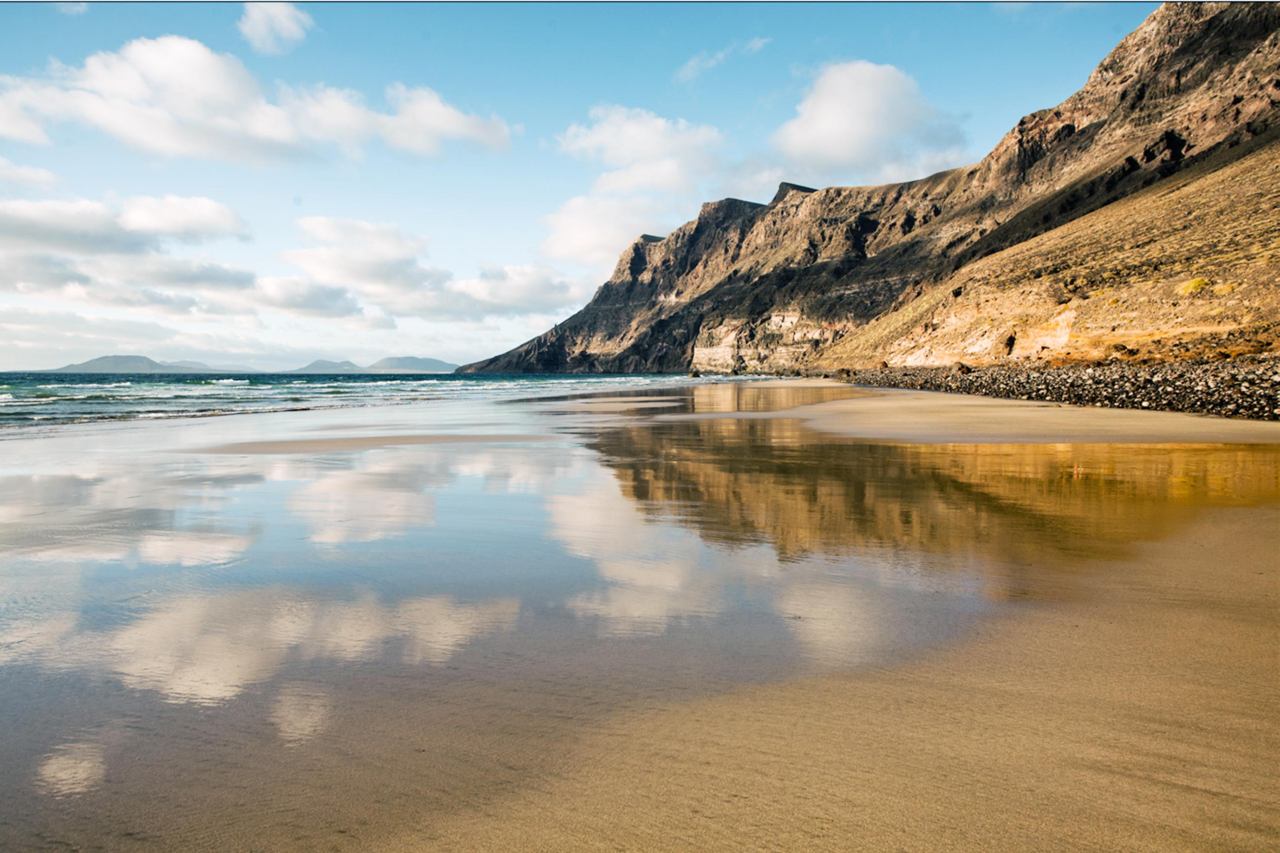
(267, 183)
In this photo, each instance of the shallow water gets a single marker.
(42, 400)
(305, 646)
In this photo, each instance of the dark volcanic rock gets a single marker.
(1238, 388)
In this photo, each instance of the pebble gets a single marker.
(1244, 387)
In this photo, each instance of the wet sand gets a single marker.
(359, 442)
(937, 418)
(714, 619)
(1144, 714)
(1144, 719)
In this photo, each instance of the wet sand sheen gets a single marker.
(1143, 720)
(719, 629)
(361, 442)
(934, 418)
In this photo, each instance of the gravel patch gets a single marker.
(1235, 388)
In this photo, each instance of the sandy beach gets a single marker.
(1140, 716)
(1144, 718)
(753, 614)
(935, 418)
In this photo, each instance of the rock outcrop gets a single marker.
(851, 276)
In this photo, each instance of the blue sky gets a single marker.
(274, 184)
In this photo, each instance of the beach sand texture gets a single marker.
(1144, 719)
(748, 615)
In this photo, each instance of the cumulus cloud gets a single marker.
(643, 150)
(422, 120)
(13, 174)
(864, 119)
(369, 274)
(74, 226)
(273, 27)
(175, 97)
(179, 216)
(652, 168)
(85, 226)
(594, 229)
(304, 297)
(705, 61)
(92, 252)
(521, 289)
(386, 269)
(377, 261)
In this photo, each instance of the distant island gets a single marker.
(143, 364)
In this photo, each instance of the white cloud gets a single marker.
(594, 229)
(273, 27)
(705, 61)
(756, 178)
(304, 297)
(869, 120)
(699, 63)
(71, 8)
(12, 173)
(87, 251)
(91, 227)
(175, 97)
(179, 216)
(654, 166)
(386, 269)
(422, 120)
(167, 271)
(31, 271)
(75, 226)
(521, 289)
(56, 338)
(379, 262)
(644, 151)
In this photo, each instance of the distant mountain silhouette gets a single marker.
(134, 364)
(143, 364)
(411, 364)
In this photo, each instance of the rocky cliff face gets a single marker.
(847, 275)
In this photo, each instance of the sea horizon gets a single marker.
(43, 399)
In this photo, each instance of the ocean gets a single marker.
(49, 399)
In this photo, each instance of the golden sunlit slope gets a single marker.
(1189, 266)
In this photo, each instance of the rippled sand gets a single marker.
(674, 619)
(1143, 718)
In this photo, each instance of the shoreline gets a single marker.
(897, 415)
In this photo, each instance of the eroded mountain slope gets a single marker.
(797, 282)
(1189, 267)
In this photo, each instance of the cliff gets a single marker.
(1180, 120)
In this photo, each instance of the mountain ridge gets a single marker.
(144, 364)
(790, 285)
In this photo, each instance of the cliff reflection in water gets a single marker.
(460, 612)
(1008, 508)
